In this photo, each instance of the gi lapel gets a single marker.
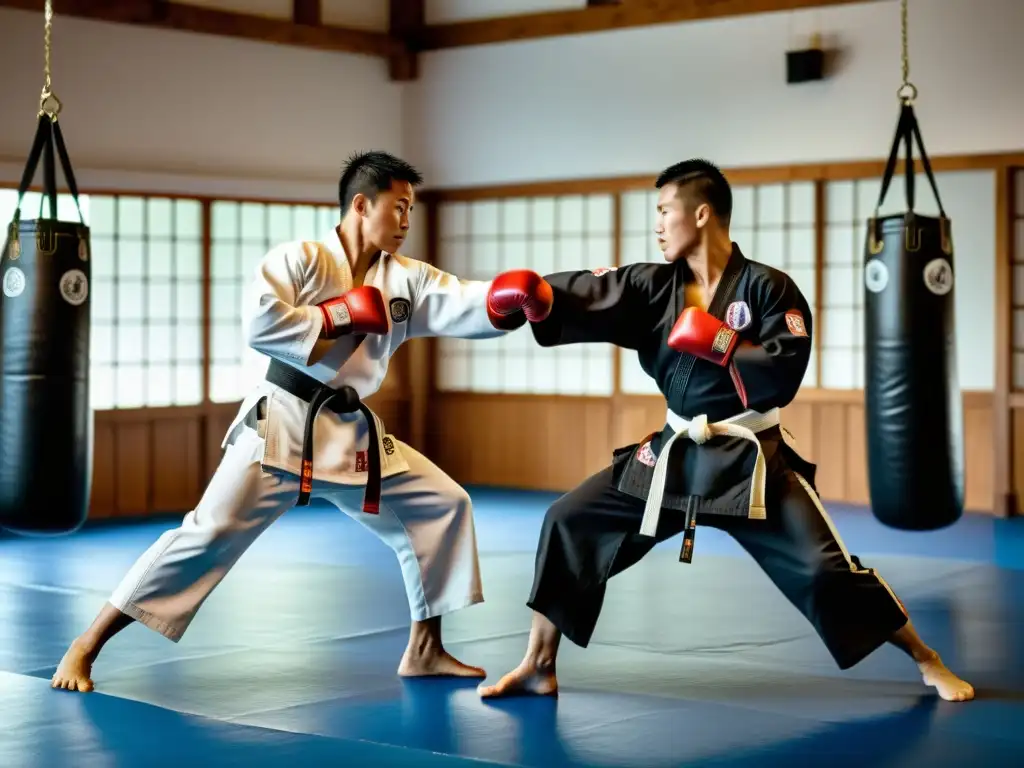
(719, 301)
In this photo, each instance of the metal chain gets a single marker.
(49, 104)
(907, 91)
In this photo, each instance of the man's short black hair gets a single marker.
(703, 180)
(368, 173)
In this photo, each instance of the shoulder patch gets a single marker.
(603, 271)
(795, 323)
(400, 310)
(738, 316)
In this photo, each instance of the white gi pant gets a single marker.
(425, 517)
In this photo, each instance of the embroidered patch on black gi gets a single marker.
(603, 271)
(400, 309)
(389, 446)
(738, 316)
(795, 323)
(645, 455)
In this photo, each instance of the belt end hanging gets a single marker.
(305, 484)
(371, 497)
(686, 552)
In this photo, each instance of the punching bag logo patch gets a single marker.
(795, 323)
(74, 287)
(738, 316)
(876, 276)
(938, 276)
(14, 283)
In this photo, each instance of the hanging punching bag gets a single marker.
(46, 426)
(913, 406)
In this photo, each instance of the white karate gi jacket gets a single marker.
(283, 322)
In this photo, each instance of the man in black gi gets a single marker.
(728, 341)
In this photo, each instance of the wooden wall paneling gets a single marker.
(1017, 438)
(134, 467)
(103, 501)
(176, 463)
(1004, 447)
(525, 441)
(554, 442)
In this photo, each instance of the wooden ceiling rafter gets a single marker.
(408, 33)
(603, 18)
(407, 22)
(163, 14)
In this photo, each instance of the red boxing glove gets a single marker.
(361, 310)
(703, 335)
(519, 290)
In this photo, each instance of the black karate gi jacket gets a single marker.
(635, 307)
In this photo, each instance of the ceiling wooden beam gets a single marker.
(189, 18)
(602, 18)
(306, 12)
(407, 22)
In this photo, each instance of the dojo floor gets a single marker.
(292, 661)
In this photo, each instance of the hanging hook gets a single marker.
(907, 92)
(49, 104)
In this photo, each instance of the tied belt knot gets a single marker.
(745, 426)
(342, 400)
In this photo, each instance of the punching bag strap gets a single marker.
(65, 164)
(925, 162)
(32, 164)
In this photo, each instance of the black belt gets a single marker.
(342, 400)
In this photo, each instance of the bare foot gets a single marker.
(435, 662)
(74, 669)
(949, 686)
(525, 680)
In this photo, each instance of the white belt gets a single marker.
(746, 425)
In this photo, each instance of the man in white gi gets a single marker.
(329, 315)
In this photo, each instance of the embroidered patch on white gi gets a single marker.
(603, 271)
(938, 276)
(646, 456)
(876, 276)
(400, 309)
(74, 287)
(795, 323)
(14, 283)
(389, 445)
(738, 316)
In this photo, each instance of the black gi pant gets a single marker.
(591, 533)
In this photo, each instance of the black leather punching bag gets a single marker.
(46, 427)
(914, 410)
